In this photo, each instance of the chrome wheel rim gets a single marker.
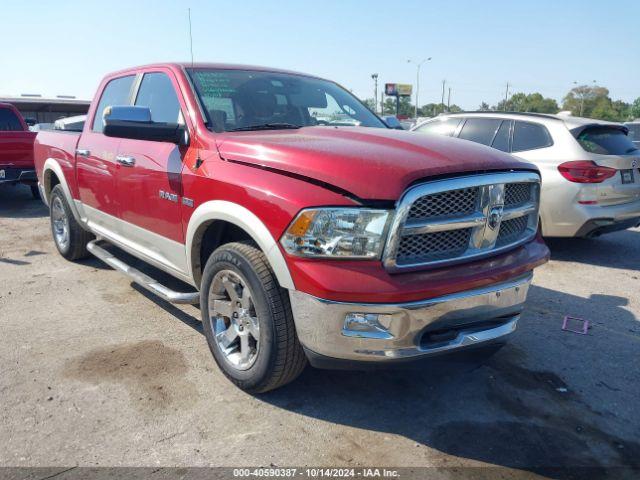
(60, 224)
(233, 319)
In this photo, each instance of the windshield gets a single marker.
(247, 100)
(606, 141)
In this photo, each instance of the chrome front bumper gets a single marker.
(467, 319)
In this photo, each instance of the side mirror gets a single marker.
(392, 122)
(135, 123)
(30, 121)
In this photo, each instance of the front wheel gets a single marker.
(247, 320)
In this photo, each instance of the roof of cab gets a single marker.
(216, 66)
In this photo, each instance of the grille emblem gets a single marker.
(495, 216)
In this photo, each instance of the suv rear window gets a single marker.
(9, 122)
(606, 141)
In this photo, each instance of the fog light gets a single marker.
(367, 325)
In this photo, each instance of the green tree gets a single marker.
(406, 107)
(634, 110)
(371, 103)
(484, 106)
(533, 102)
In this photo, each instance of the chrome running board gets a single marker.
(141, 279)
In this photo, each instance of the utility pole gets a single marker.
(374, 76)
(442, 101)
(506, 97)
(418, 65)
(449, 101)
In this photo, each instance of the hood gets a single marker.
(370, 163)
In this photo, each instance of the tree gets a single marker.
(533, 102)
(406, 107)
(484, 106)
(371, 103)
(635, 109)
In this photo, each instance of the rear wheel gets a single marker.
(70, 238)
(247, 320)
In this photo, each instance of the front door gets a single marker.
(150, 179)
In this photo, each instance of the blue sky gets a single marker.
(65, 47)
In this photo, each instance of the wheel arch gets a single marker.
(53, 175)
(229, 221)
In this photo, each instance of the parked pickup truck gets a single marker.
(336, 245)
(16, 149)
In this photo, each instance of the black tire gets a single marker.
(280, 358)
(75, 247)
(35, 191)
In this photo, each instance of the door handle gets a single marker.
(82, 153)
(125, 160)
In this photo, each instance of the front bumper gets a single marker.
(18, 175)
(413, 330)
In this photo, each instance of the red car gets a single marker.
(337, 245)
(16, 149)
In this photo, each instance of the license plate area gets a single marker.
(2, 174)
(627, 176)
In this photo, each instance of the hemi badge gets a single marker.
(187, 201)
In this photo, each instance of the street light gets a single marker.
(374, 76)
(418, 65)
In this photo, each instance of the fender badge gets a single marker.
(187, 201)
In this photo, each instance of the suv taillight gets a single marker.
(585, 171)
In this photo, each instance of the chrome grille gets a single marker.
(517, 193)
(511, 230)
(456, 220)
(433, 246)
(455, 202)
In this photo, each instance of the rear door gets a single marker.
(96, 166)
(150, 179)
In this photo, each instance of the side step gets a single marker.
(141, 279)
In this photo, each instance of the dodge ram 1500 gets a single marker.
(303, 240)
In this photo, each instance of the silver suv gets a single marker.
(590, 168)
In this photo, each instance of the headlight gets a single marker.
(337, 232)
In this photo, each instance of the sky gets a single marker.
(65, 47)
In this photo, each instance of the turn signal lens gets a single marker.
(585, 171)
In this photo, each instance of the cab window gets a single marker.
(9, 121)
(117, 92)
(158, 94)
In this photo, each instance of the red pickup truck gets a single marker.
(16, 149)
(304, 240)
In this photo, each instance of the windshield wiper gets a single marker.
(267, 126)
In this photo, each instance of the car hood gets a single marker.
(370, 163)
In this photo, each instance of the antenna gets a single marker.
(190, 37)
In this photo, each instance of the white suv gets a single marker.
(590, 168)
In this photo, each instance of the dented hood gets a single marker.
(371, 163)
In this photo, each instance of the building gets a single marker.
(47, 110)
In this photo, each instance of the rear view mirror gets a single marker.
(135, 122)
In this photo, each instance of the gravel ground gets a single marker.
(96, 372)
